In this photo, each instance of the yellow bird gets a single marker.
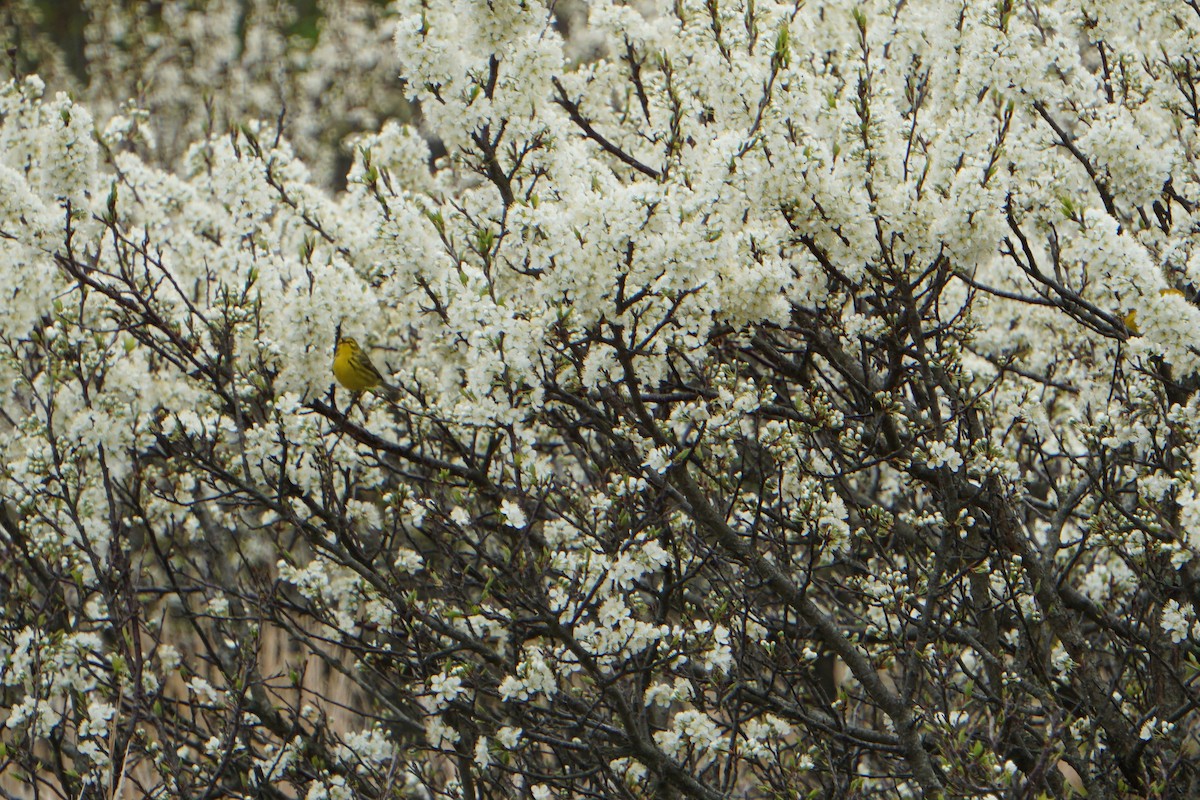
(1130, 319)
(353, 369)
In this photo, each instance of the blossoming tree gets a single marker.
(795, 399)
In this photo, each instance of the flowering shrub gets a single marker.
(792, 399)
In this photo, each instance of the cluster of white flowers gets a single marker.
(1179, 623)
(692, 729)
(367, 749)
(729, 347)
(535, 676)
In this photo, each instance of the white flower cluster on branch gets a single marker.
(783, 399)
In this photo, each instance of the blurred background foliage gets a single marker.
(323, 71)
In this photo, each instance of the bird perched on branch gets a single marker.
(353, 369)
